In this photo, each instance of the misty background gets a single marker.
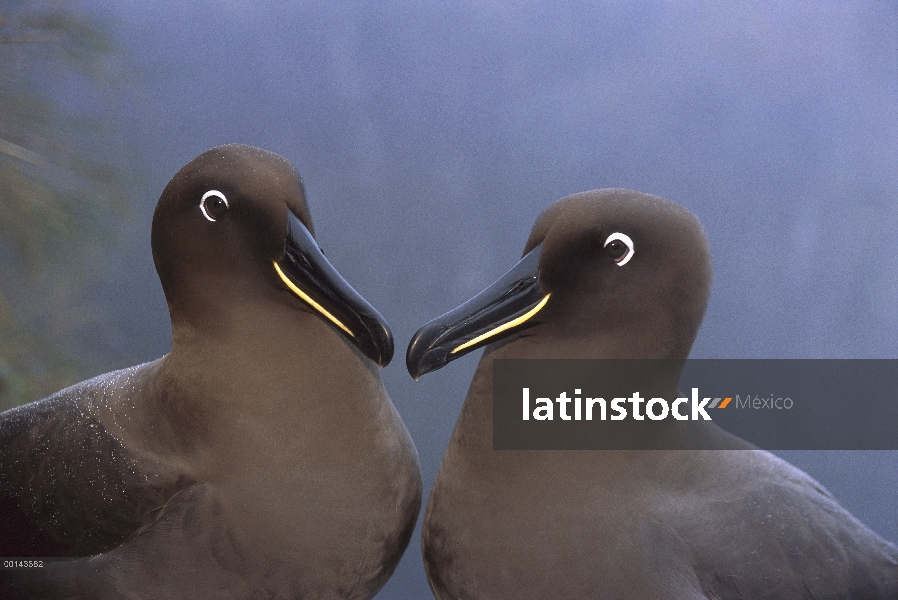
(431, 136)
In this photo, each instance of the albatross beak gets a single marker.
(505, 307)
(309, 275)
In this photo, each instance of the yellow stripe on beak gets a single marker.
(504, 326)
(311, 302)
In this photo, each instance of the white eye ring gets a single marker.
(203, 203)
(627, 241)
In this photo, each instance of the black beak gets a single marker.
(500, 310)
(306, 271)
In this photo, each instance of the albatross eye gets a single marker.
(214, 205)
(619, 247)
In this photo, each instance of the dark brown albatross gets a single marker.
(261, 458)
(620, 274)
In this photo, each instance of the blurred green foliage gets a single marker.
(63, 193)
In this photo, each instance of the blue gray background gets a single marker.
(431, 135)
